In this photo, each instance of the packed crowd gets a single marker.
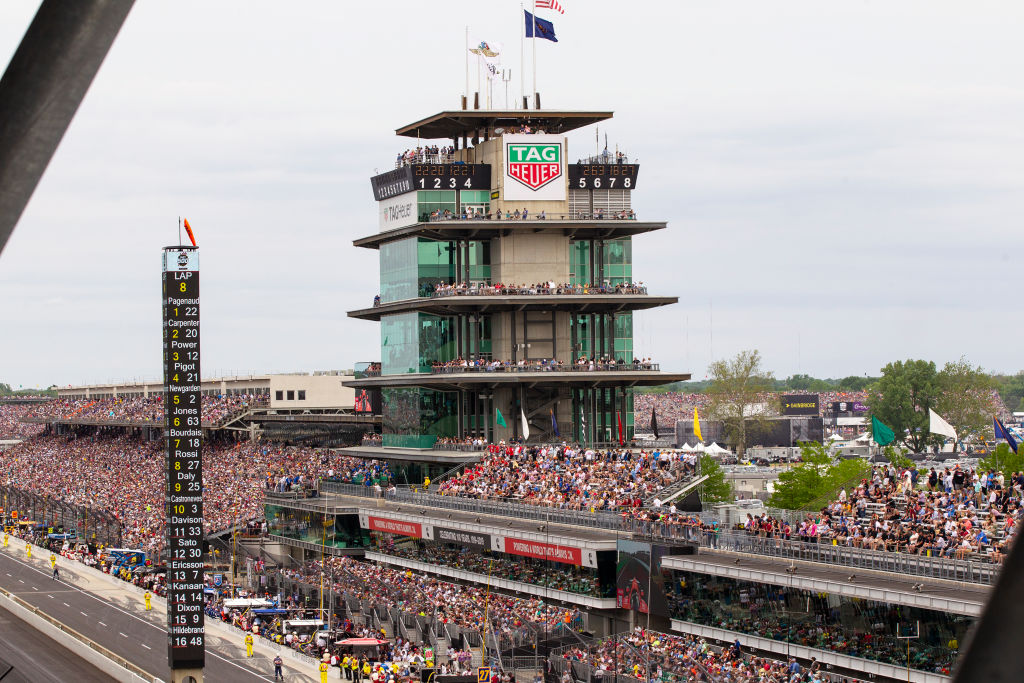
(570, 477)
(865, 629)
(11, 426)
(649, 655)
(552, 575)
(468, 213)
(140, 409)
(442, 289)
(124, 476)
(958, 512)
(429, 154)
(583, 363)
(462, 606)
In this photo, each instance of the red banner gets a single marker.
(544, 551)
(394, 526)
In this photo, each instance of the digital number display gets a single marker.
(451, 176)
(603, 176)
(183, 430)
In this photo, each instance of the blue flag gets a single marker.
(1003, 433)
(545, 29)
(554, 423)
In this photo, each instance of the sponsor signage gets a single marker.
(398, 212)
(395, 526)
(392, 183)
(546, 551)
(534, 168)
(603, 176)
(849, 406)
(800, 404)
(460, 537)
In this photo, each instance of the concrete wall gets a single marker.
(322, 391)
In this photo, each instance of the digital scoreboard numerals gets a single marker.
(603, 176)
(184, 441)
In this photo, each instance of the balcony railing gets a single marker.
(971, 571)
(538, 290)
(600, 214)
(596, 367)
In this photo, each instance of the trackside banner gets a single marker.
(545, 551)
(534, 168)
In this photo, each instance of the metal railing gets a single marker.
(538, 290)
(626, 215)
(824, 552)
(971, 571)
(535, 367)
(424, 158)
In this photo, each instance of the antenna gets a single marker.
(179, 229)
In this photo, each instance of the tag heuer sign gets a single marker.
(534, 167)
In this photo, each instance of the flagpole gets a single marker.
(466, 91)
(534, 20)
(522, 57)
(179, 229)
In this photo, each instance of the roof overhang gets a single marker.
(579, 303)
(489, 229)
(454, 124)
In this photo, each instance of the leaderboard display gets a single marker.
(184, 481)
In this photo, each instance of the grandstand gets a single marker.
(502, 513)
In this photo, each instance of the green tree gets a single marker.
(901, 399)
(965, 398)
(897, 458)
(736, 395)
(1011, 388)
(853, 383)
(816, 480)
(715, 489)
(807, 383)
(5, 389)
(1003, 460)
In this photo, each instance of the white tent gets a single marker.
(835, 437)
(715, 449)
(700, 448)
(686, 448)
(863, 438)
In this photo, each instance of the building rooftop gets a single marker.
(455, 124)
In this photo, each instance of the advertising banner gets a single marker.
(546, 551)
(799, 404)
(849, 406)
(394, 526)
(398, 212)
(463, 538)
(534, 168)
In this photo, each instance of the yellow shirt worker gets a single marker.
(248, 645)
(149, 600)
(324, 668)
(7, 539)
(28, 550)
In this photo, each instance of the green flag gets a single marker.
(882, 435)
(499, 418)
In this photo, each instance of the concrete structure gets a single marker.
(563, 260)
(287, 391)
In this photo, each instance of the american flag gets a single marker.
(550, 4)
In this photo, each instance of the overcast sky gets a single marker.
(842, 180)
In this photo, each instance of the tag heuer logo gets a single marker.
(534, 165)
